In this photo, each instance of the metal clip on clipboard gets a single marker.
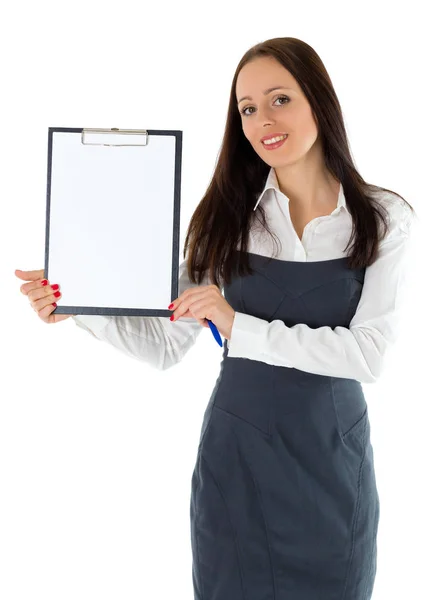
(120, 137)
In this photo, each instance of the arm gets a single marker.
(356, 352)
(154, 340)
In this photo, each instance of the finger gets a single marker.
(187, 298)
(35, 277)
(188, 315)
(26, 288)
(37, 290)
(193, 292)
(30, 275)
(46, 311)
(40, 298)
(197, 309)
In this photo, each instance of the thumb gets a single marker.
(30, 275)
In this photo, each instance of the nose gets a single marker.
(265, 118)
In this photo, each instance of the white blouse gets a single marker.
(356, 352)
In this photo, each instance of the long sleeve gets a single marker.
(356, 352)
(154, 340)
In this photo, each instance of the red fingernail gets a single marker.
(171, 306)
(171, 318)
(54, 304)
(44, 282)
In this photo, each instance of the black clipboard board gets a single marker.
(113, 219)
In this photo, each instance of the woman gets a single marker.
(284, 501)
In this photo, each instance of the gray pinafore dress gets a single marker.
(284, 504)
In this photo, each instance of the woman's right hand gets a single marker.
(41, 296)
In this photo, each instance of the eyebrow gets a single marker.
(265, 92)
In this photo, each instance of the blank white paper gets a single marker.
(111, 222)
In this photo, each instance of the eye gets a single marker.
(279, 98)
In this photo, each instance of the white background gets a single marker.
(97, 449)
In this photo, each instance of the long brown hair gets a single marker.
(224, 216)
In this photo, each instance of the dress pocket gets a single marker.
(357, 430)
(351, 410)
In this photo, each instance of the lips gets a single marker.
(274, 145)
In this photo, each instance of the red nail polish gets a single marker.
(171, 306)
(44, 282)
(171, 318)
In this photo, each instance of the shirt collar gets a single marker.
(272, 183)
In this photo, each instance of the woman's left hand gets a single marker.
(205, 302)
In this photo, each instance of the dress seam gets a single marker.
(245, 459)
(369, 577)
(197, 546)
(357, 512)
(238, 557)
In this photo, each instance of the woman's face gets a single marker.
(284, 110)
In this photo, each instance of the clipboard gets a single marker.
(113, 219)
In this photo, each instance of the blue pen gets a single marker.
(215, 333)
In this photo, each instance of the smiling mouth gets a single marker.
(283, 136)
(274, 145)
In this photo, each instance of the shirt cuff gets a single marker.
(247, 337)
(95, 323)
